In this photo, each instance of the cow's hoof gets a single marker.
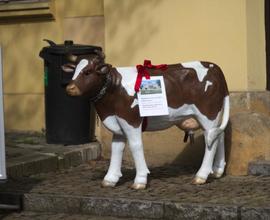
(198, 181)
(217, 174)
(138, 186)
(107, 184)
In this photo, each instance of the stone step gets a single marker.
(52, 158)
(261, 167)
(27, 153)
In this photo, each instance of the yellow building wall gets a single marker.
(256, 56)
(23, 70)
(170, 31)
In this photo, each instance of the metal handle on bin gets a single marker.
(43, 54)
(52, 44)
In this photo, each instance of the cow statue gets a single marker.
(197, 97)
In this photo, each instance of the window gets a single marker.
(19, 10)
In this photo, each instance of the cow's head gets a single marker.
(89, 74)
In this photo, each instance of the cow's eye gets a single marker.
(86, 72)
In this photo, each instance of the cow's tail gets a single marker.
(215, 132)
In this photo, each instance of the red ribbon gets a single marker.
(142, 72)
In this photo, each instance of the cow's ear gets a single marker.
(68, 67)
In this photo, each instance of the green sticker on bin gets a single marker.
(46, 76)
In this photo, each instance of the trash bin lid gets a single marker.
(69, 47)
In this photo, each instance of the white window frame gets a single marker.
(3, 174)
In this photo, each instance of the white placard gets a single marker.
(152, 97)
(2, 128)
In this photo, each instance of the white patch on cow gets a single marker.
(134, 136)
(111, 123)
(134, 103)
(129, 76)
(83, 63)
(208, 83)
(114, 171)
(199, 68)
(179, 114)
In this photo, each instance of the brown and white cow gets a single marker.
(197, 97)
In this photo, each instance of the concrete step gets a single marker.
(28, 154)
(261, 167)
(51, 158)
(169, 195)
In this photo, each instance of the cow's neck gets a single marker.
(117, 102)
(103, 89)
(107, 84)
(105, 104)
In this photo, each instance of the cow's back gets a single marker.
(199, 83)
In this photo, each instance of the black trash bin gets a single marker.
(69, 120)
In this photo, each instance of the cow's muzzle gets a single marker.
(73, 90)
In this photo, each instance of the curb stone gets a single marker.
(93, 206)
(200, 211)
(134, 208)
(255, 213)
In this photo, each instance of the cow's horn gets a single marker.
(71, 57)
(105, 69)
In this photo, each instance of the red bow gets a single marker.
(142, 72)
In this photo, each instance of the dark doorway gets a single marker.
(267, 38)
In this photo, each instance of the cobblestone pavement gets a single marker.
(167, 184)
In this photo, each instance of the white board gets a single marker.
(2, 127)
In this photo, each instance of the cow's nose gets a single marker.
(73, 90)
(71, 87)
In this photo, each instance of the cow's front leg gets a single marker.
(114, 171)
(134, 136)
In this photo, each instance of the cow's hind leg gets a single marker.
(114, 172)
(219, 161)
(207, 164)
